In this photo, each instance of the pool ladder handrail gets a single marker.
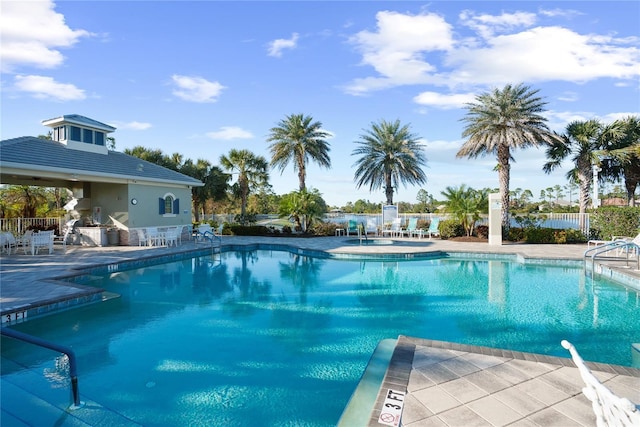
(617, 245)
(73, 363)
(363, 230)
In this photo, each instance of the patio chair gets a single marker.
(154, 238)
(171, 236)
(42, 239)
(371, 227)
(201, 232)
(352, 227)
(610, 410)
(396, 228)
(433, 227)
(412, 227)
(25, 241)
(142, 237)
(8, 241)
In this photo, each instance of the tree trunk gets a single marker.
(584, 183)
(302, 172)
(388, 189)
(631, 180)
(503, 177)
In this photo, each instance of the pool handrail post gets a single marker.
(73, 363)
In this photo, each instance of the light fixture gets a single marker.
(134, 201)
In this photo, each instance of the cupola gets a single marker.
(80, 133)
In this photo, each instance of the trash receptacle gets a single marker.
(113, 237)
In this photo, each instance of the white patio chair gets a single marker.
(610, 410)
(8, 241)
(371, 227)
(154, 238)
(396, 228)
(42, 239)
(25, 241)
(171, 236)
(142, 237)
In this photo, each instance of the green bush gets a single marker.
(450, 228)
(608, 221)
(324, 228)
(515, 234)
(482, 231)
(249, 230)
(553, 236)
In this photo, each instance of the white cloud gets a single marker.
(545, 53)
(397, 49)
(43, 87)
(487, 25)
(133, 125)
(442, 101)
(196, 89)
(506, 48)
(230, 132)
(31, 34)
(277, 46)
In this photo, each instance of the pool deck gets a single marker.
(447, 384)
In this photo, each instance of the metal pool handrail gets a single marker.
(616, 245)
(73, 364)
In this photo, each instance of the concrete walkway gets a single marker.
(447, 384)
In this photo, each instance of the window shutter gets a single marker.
(176, 206)
(161, 206)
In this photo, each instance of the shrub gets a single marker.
(324, 228)
(286, 229)
(515, 234)
(608, 221)
(482, 231)
(553, 236)
(249, 230)
(450, 228)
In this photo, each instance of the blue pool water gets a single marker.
(273, 338)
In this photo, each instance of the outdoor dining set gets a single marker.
(30, 241)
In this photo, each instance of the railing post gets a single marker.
(73, 364)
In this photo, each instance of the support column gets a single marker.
(495, 219)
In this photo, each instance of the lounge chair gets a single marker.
(371, 227)
(610, 410)
(396, 228)
(412, 227)
(433, 227)
(352, 227)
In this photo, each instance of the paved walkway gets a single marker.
(446, 383)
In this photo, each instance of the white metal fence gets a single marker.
(549, 220)
(18, 226)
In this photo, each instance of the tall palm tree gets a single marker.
(251, 170)
(580, 141)
(298, 139)
(622, 154)
(502, 120)
(390, 154)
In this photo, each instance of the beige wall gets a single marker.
(145, 212)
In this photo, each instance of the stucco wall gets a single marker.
(145, 212)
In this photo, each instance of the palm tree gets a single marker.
(499, 121)
(390, 155)
(581, 140)
(622, 155)
(251, 170)
(298, 139)
(466, 205)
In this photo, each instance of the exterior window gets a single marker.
(168, 205)
(59, 133)
(74, 133)
(99, 138)
(87, 136)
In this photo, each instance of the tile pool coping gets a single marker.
(401, 364)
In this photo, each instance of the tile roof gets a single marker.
(81, 120)
(37, 153)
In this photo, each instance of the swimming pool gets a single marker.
(279, 338)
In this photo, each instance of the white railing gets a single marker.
(17, 226)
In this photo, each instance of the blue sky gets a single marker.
(203, 77)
